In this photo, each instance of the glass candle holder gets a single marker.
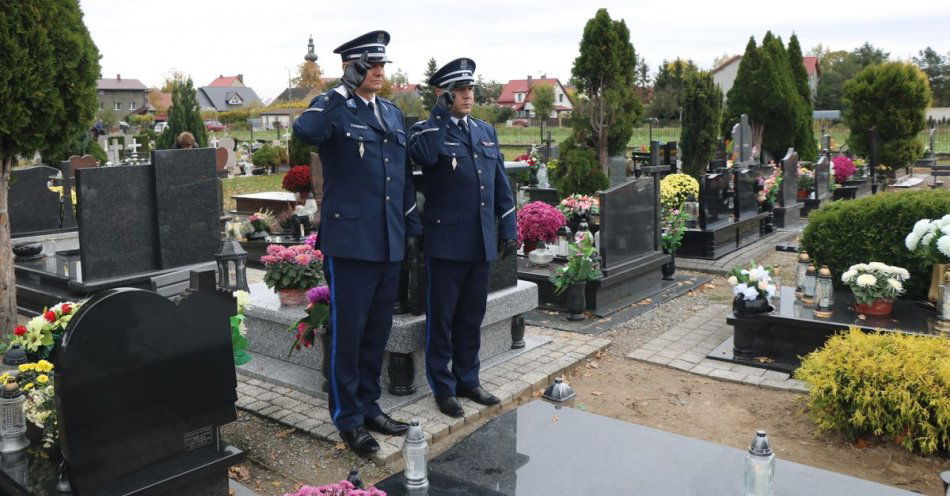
(943, 303)
(414, 451)
(809, 284)
(824, 293)
(803, 262)
(12, 419)
(542, 255)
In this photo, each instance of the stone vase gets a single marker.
(742, 306)
(879, 308)
(936, 279)
(577, 301)
(669, 268)
(292, 297)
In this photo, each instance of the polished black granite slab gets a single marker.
(187, 206)
(627, 221)
(776, 340)
(539, 450)
(34, 209)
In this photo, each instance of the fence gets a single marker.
(524, 136)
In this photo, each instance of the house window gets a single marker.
(117, 106)
(519, 96)
(560, 98)
(131, 105)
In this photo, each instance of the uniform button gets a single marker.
(476, 155)
(483, 204)
(388, 179)
(386, 159)
(361, 137)
(438, 221)
(347, 134)
(479, 171)
(336, 216)
(481, 188)
(438, 117)
(385, 141)
(387, 198)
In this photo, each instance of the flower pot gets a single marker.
(292, 297)
(742, 306)
(878, 308)
(530, 246)
(936, 279)
(803, 194)
(257, 235)
(577, 301)
(669, 268)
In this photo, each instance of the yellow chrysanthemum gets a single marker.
(28, 386)
(26, 367)
(42, 379)
(44, 366)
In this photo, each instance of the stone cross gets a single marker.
(826, 143)
(134, 146)
(742, 140)
(114, 150)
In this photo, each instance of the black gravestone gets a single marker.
(742, 140)
(822, 173)
(142, 386)
(746, 203)
(34, 209)
(116, 214)
(187, 206)
(68, 215)
(788, 194)
(627, 221)
(712, 207)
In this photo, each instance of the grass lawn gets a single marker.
(254, 184)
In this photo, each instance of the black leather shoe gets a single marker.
(450, 406)
(360, 441)
(384, 424)
(480, 396)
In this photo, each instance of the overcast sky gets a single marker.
(145, 39)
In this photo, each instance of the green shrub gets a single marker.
(578, 171)
(299, 151)
(892, 385)
(872, 229)
(96, 151)
(266, 156)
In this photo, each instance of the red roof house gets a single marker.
(519, 93)
(229, 81)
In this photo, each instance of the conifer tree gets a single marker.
(48, 92)
(702, 114)
(427, 91)
(805, 143)
(183, 115)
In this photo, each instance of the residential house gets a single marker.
(304, 93)
(121, 96)
(519, 93)
(225, 98)
(282, 117)
(229, 81)
(725, 74)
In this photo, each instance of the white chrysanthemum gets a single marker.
(770, 289)
(895, 285)
(739, 288)
(878, 266)
(866, 280)
(902, 273)
(733, 281)
(750, 293)
(943, 221)
(922, 226)
(912, 240)
(848, 276)
(943, 244)
(859, 267)
(928, 237)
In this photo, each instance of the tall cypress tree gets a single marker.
(427, 91)
(183, 115)
(805, 143)
(747, 96)
(702, 114)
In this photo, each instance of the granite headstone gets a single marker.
(187, 206)
(627, 221)
(617, 169)
(33, 207)
(788, 194)
(746, 203)
(116, 215)
(742, 140)
(822, 177)
(712, 206)
(142, 387)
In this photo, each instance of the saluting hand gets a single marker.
(355, 73)
(446, 99)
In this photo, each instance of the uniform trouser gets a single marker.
(457, 296)
(362, 296)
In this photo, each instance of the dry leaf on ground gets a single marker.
(596, 393)
(764, 360)
(283, 434)
(341, 446)
(239, 473)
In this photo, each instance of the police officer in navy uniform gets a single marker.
(368, 223)
(469, 222)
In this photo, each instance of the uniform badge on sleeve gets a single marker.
(350, 103)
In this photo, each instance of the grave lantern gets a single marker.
(12, 419)
(12, 359)
(808, 286)
(943, 303)
(542, 255)
(559, 393)
(232, 266)
(824, 293)
(563, 240)
(803, 262)
(691, 208)
(414, 450)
